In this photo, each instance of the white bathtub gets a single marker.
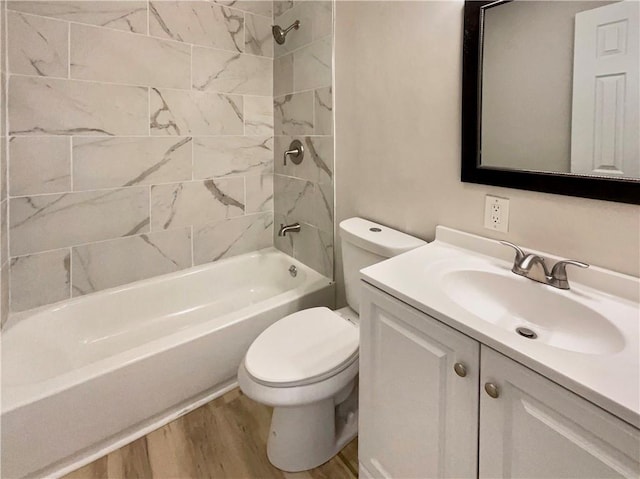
(85, 376)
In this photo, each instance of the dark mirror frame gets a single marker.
(601, 188)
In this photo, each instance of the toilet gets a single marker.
(305, 365)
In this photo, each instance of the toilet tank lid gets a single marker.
(376, 238)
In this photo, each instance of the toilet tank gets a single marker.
(365, 243)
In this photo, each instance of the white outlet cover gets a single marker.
(496, 213)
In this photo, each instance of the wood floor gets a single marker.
(225, 439)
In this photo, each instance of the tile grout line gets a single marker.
(106, 137)
(124, 188)
(244, 33)
(68, 50)
(109, 240)
(71, 176)
(192, 247)
(5, 181)
(149, 193)
(313, 111)
(70, 272)
(244, 116)
(141, 86)
(193, 159)
(193, 174)
(146, 34)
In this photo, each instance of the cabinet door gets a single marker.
(418, 418)
(538, 429)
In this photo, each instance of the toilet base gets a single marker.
(304, 437)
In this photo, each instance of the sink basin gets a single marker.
(510, 301)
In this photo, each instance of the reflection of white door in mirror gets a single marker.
(605, 126)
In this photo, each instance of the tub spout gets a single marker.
(294, 228)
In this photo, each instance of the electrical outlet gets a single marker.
(496, 213)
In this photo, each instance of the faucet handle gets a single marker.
(559, 270)
(296, 151)
(520, 255)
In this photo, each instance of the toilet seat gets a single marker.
(303, 348)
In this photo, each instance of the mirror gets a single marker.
(551, 97)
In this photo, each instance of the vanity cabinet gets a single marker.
(421, 416)
(536, 428)
(418, 418)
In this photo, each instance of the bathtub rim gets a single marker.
(18, 316)
(25, 394)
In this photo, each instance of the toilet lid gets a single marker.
(308, 344)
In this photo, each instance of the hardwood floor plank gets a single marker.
(349, 456)
(334, 469)
(168, 452)
(96, 470)
(224, 439)
(249, 427)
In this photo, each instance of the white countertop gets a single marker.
(609, 380)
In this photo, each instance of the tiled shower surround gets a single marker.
(303, 75)
(141, 140)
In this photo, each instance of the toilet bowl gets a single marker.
(305, 365)
(310, 376)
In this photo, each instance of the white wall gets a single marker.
(398, 113)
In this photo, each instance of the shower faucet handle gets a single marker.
(295, 151)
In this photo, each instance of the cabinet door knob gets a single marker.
(460, 369)
(492, 390)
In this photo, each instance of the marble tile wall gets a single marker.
(303, 109)
(140, 141)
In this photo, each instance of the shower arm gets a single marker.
(295, 25)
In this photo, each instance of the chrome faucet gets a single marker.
(533, 266)
(294, 228)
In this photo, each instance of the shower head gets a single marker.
(280, 35)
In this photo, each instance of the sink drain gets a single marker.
(527, 333)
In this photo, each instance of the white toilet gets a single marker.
(305, 365)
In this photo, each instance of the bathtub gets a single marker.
(86, 376)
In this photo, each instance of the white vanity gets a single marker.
(448, 388)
